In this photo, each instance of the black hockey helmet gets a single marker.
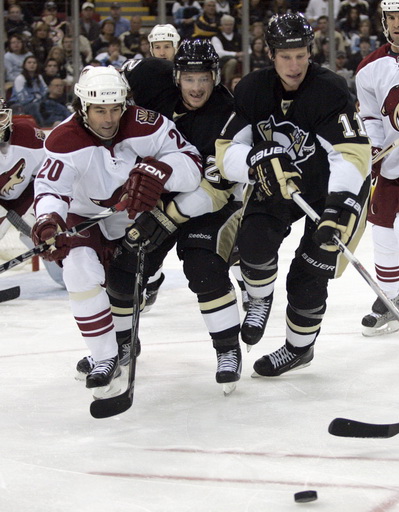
(289, 31)
(196, 55)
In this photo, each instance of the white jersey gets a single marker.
(20, 160)
(84, 175)
(377, 84)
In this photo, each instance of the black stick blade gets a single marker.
(10, 294)
(343, 427)
(112, 406)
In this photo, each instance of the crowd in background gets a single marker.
(39, 42)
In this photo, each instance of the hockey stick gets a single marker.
(18, 222)
(298, 199)
(107, 407)
(384, 152)
(10, 293)
(343, 427)
(85, 224)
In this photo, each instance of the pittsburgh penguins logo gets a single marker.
(293, 138)
(11, 178)
(390, 107)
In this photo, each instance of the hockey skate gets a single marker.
(281, 361)
(103, 378)
(151, 293)
(255, 321)
(245, 300)
(84, 367)
(381, 320)
(229, 369)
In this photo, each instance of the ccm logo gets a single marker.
(152, 170)
(266, 153)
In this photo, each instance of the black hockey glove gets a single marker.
(341, 212)
(151, 229)
(271, 167)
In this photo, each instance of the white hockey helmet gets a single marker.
(5, 121)
(388, 6)
(101, 85)
(164, 33)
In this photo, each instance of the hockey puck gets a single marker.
(305, 496)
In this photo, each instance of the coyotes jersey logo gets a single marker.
(293, 138)
(390, 107)
(146, 116)
(11, 178)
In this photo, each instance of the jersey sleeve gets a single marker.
(369, 108)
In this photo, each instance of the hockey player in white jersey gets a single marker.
(106, 152)
(377, 83)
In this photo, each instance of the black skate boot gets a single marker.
(84, 367)
(281, 361)
(151, 293)
(381, 320)
(124, 340)
(103, 373)
(229, 368)
(254, 324)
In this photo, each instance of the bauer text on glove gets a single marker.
(271, 168)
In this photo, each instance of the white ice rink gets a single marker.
(183, 446)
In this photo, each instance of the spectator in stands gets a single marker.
(15, 57)
(51, 70)
(84, 56)
(130, 40)
(350, 26)
(52, 108)
(113, 56)
(260, 56)
(317, 8)
(58, 25)
(121, 24)
(322, 32)
(233, 82)
(323, 55)
(341, 61)
(346, 5)
(257, 29)
(364, 31)
(27, 10)
(58, 53)
(88, 26)
(277, 7)
(41, 42)
(15, 23)
(257, 11)
(207, 24)
(29, 89)
(107, 34)
(222, 7)
(185, 16)
(228, 44)
(144, 48)
(365, 49)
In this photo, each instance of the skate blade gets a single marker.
(256, 375)
(249, 347)
(228, 388)
(387, 328)
(113, 389)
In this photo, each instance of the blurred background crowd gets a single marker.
(38, 59)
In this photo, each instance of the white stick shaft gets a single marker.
(298, 199)
(384, 152)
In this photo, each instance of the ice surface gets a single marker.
(184, 446)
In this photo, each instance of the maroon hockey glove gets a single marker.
(340, 216)
(271, 168)
(45, 230)
(375, 168)
(145, 185)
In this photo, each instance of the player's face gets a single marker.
(195, 88)
(104, 119)
(163, 50)
(291, 65)
(392, 20)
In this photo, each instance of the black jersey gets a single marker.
(318, 125)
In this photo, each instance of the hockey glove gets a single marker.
(45, 230)
(341, 212)
(151, 229)
(271, 167)
(145, 185)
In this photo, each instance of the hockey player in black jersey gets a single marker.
(294, 122)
